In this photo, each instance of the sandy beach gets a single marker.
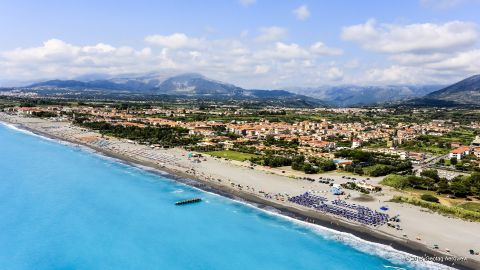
(420, 229)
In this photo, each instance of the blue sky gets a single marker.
(263, 44)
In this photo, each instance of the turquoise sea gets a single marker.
(65, 207)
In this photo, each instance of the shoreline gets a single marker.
(304, 215)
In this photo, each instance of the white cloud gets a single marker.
(397, 74)
(56, 58)
(334, 74)
(421, 53)
(446, 73)
(321, 48)
(413, 38)
(290, 50)
(242, 61)
(467, 61)
(175, 41)
(272, 33)
(262, 69)
(282, 52)
(247, 3)
(302, 13)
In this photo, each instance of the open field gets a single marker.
(232, 155)
(439, 208)
(472, 206)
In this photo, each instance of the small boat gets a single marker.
(194, 200)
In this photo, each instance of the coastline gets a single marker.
(304, 215)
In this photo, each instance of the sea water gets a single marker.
(64, 207)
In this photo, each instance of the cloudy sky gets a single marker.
(252, 43)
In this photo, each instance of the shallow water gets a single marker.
(63, 207)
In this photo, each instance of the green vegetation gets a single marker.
(439, 208)
(353, 186)
(378, 169)
(472, 206)
(162, 135)
(373, 164)
(270, 140)
(439, 144)
(395, 181)
(432, 174)
(232, 155)
(467, 163)
(312, 165)
(429, 198)
(460, 186)
(272, 160)
(404, 181)
(43, 114)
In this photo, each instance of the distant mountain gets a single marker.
(190, 85)
(465, 92)
(193, 84)
(350, 95)
(107, 85)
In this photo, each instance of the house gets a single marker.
(368, 186)
(27, 110)
(459, 152)
(476, 151)
(476, 142)
(227, 145)
(356, 143)
(202, 130)
(343, 163)
(322, 144)
(456, 144)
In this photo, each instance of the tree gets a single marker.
(460, 186)
(309, 168)
(326, 164)
(297, 162)
(443, 186)
(453, 161)
(429, 198)
(432, 174)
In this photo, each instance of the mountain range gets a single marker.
(354, 95)
(189, 85)
(463, 93)
(193, 85)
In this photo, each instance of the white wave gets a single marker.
(178, 191)
(85, 149)
(372, 248)
(393, 267)
(24, 131)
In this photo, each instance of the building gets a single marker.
(476, 142)
(459, 152)
(476, 151)
(356, 143)
(368, 187)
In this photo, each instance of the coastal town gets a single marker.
(378, 175)
(246, 131)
